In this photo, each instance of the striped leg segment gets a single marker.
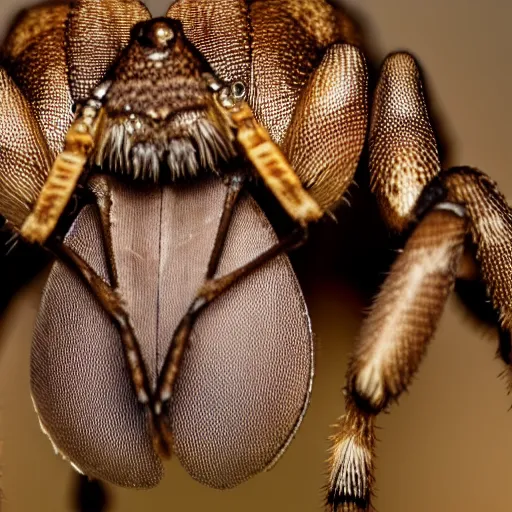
(66, 170)
(392, 343)
(352, 460)
(403, 160)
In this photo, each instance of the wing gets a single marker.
(246, 378)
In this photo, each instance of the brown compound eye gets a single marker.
(159, 33)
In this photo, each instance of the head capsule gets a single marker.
(161, 121)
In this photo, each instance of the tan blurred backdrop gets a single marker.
(448, 445)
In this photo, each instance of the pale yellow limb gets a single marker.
(63, 177)
(271, 164)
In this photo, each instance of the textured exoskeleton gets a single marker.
(225, 89)
(246, 377)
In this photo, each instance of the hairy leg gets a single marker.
(112, 305)
(393, 340)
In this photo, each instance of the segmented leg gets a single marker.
(490, 230)
(213, 288)
(393, 340)
(235, 185)
(403, 159)
(113, 306)
(352, 460)
(407, 181)
(100, 186)
(89, 495)
(67, 169)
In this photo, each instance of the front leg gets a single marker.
(448, 206)
(394, 336)
(316, 170)
(391, 345)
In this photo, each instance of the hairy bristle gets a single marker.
(202, 147)
(351, 462)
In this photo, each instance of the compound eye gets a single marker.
(139, 31)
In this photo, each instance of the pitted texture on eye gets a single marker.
(220, 30)
(25, 160)
(272, 45)
(96, 34)
(41, 73)
(403, 149)
(289, 39)
(328, 130)
(285, 52)
(30, 24)
(491, 231)
(245, 380)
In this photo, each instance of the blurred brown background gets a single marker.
(448, 445)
